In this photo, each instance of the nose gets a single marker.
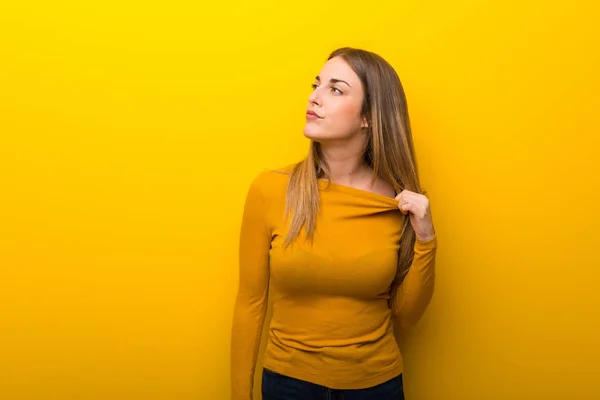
(315, 97)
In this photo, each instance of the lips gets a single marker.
(312, 114)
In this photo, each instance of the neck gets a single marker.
(346, 164)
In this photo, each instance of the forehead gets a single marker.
(336, 68)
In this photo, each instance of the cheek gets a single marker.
(347, 115)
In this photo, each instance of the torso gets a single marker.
(331, 319)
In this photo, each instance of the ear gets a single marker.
(364, 124)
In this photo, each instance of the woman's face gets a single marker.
(334, 107)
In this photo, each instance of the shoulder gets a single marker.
(384, 188)
(272, 183)
(275, 176)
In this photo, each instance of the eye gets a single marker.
(314, 86)
(336, 90)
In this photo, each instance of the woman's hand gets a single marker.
(417, 206)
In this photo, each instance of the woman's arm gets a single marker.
(251, 302)
(410, 299)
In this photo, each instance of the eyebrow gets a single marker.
(333, 80)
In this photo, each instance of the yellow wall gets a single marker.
(129, 132)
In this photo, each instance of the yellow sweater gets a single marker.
(332, 302)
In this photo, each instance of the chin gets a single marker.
(318, 135)
(311, 135)
(315, 134)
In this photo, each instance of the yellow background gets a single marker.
(129, 132)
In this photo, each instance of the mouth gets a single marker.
(312, 115)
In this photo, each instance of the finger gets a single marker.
(405, 207)
(404, 192)
(417, 209)
(407, 194)
(416, 199)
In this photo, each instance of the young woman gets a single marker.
(342, 243)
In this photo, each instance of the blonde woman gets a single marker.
(342, 243)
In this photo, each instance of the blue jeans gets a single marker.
(280, 387)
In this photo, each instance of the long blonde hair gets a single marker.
(389, 151)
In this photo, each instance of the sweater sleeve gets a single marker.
(410, 299)
(251, 301)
